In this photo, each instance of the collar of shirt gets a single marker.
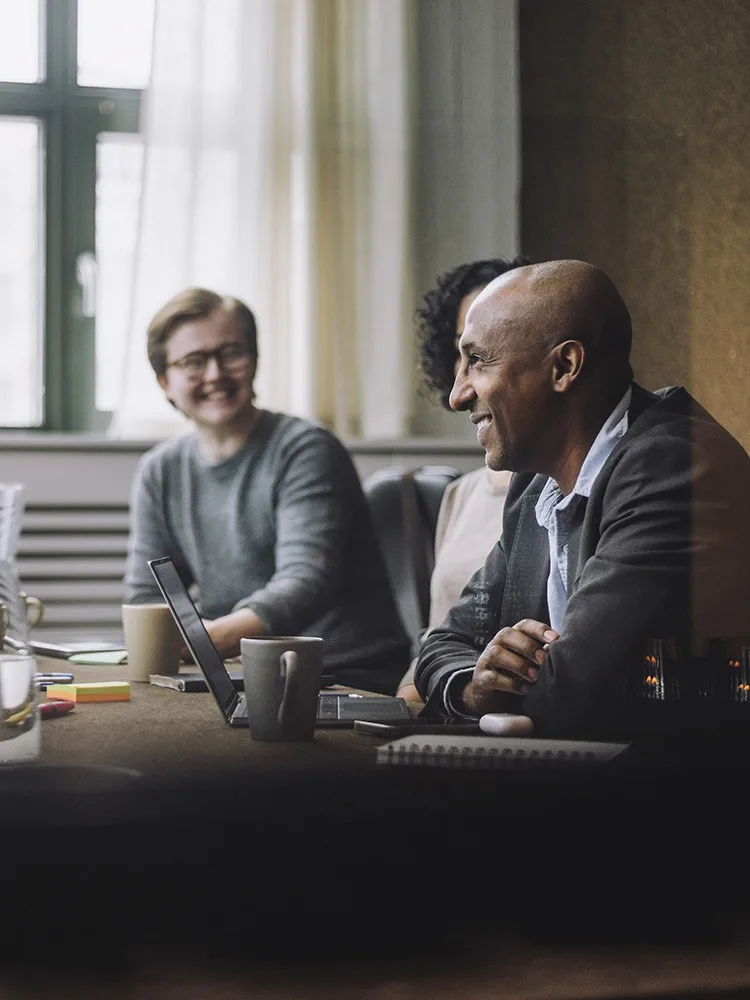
(551, 499)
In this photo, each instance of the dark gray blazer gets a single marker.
(661, 548)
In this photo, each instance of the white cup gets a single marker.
(19, 720)
(282, 681)
(152, 640)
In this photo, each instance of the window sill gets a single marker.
(55, 441)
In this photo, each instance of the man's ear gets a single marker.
(567, 363)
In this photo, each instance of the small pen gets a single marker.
(51, 709)
(43, 681)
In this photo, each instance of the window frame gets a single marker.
(71, 117)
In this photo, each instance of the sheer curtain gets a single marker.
(277, 169)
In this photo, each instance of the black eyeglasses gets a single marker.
(233, 358)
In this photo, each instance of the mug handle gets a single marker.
(288, 665)
(36, 607)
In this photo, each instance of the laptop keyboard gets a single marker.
(328, 708)
(332, 708)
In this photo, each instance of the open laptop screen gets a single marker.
(194, 633)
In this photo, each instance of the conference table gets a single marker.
(171, 736)
(153, 851)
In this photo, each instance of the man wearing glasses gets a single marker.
(262, 511)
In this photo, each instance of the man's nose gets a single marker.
(461, 393)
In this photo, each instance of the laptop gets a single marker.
(334, 709)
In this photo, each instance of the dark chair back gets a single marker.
(404, 504)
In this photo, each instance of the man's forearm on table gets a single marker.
(440, 661)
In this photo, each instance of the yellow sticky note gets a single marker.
(91, 691)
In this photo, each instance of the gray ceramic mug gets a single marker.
(282, 681)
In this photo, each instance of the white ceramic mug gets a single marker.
(34, 609)
(282, 681)
(19, 721)
(152, 640)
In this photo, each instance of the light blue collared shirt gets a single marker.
(556, 512)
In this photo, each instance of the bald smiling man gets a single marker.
(626, 519)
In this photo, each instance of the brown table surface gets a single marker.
(445, 885)
(162, 732)
(497, 968)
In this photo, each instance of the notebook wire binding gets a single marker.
(496, 752)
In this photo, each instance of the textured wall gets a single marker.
(636, 157)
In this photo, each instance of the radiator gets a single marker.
(72, 557)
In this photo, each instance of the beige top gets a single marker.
(469, 524)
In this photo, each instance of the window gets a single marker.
(72, 73)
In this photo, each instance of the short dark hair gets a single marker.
(190, 304)
(436, 319)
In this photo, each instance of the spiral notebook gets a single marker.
(496, 752)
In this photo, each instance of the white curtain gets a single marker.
(277, 169)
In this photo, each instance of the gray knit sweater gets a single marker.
(281, 527)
